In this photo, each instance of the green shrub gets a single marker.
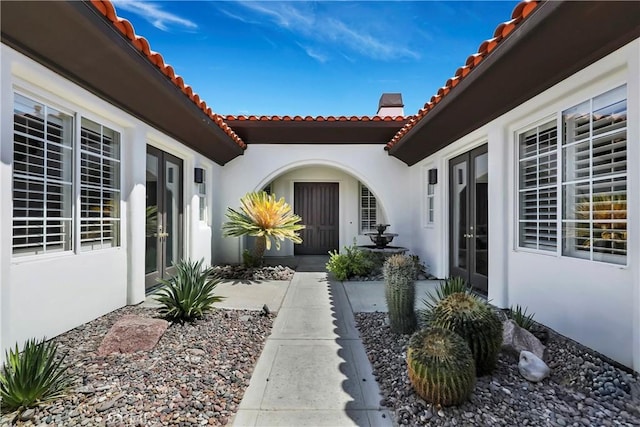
(353, 262)
(475, 321)
(520, 316)
(189, 294)
(32, 377)
(440, 366)
(400, 291)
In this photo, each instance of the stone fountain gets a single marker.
(381, 241)
(380, 238)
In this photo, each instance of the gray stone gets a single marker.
(516, 339)
(133, 333)
(27, 415)
(532, 368)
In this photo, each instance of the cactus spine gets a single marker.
(399, 273)
(472, 319)
(440, 366)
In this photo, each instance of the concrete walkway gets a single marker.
(313, 370)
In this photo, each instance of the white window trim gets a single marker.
(570, 102)
(78, 113)
(362, 230)
(426, 223)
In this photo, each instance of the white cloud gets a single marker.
(315, 54)
(309, 23)
(153, 13)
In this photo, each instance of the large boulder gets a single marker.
(516, 339)
(532, 367)
(133, 333)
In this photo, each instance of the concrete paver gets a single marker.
(313, 370)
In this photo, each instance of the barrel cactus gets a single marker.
(399, 273)
(440, 366)
(472, 318)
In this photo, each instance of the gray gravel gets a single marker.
(196, 375)
(583, 390)
(240, 272)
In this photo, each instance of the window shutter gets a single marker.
(538, 166)
(42, 167)
(595, 178)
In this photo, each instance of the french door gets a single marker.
(164, 221)
(317, 204)
(469, 218)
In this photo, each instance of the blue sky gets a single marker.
(314, 58)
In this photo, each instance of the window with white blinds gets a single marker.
(538, 198)
(43, 182)
(594, 179)
(368, 210)
(99, 186)
(592, 182)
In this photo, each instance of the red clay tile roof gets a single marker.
(319, 118)
(106, 8)
(520, 12)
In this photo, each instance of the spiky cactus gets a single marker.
(471, 318)
(440, 366)
(400, 292)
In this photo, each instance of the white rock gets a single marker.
(532, 367)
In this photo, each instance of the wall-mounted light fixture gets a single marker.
(433, 176)
(198, 175)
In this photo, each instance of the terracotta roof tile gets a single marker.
(319, 118)
(520, 12)
(106, 8)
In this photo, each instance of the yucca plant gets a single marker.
(189, 294)
(446, 287)
(265, 217)
(520, 316)
(440, 366)
(32, 377)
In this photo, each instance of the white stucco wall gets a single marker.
(595, 303)
(50, 294)
(283, 164)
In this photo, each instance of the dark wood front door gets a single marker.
(164, 230)
(469, 218)
(317, 204)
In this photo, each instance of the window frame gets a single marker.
(370, 209)
(557, 117)
(77, 113)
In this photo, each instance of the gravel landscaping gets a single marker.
(196, 374)
(240, 272)
(583, 389)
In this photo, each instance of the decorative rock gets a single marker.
(516, 339)
(532, 367)
(27, 415)
(133, 333)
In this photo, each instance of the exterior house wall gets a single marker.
(593, 302)
(283, 165)
(45, 295)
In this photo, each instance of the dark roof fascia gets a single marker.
(315, 132)
(461, 112)
(124, 77)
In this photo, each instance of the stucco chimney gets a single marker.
(390, 105)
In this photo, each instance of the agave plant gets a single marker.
(265, 217)
(446, 287)
(189, 294)
(521, 317)
(32, 377)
